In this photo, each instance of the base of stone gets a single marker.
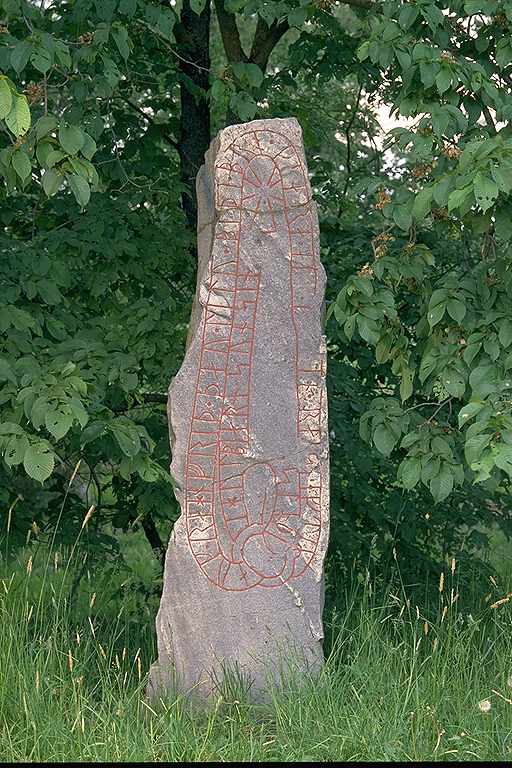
(214, 643)
(231, 684)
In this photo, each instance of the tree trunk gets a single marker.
(153, 537)
(193, 37)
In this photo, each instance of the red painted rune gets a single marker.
(250, 522)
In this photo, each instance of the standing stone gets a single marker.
(243, 583)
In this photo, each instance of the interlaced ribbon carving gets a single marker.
(254, 523)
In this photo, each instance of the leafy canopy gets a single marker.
(97, 244)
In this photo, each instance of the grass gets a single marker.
(396, 687)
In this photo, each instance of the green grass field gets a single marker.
(395, 686)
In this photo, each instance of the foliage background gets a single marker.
(106, 109)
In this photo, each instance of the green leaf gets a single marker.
(45, 125)
(39, 461)
(492, 347)
(58, 422)
(81, 167)
(20, 56)
(458, 197)
(297, 16)
(41, 60)
(404, 58)
(79, 411)
(409, 472)
(62, 53)
(440, 447)
(440, 119)
(15, 450)
(150, 470)
(49, 291)
(349, 326)
(430, 466)
(54, 157)
(502, 455)
(52, 182)
(363, 50)
(251, 74)
(38, 411)
(473, 109)
(5, 98)
(402, 217)
(10, 428)
(422, 203)
(454, 382)
(126, 435)
(470, 410)
(435, 314)
(101, 34)
(128, 7)
(406, 384)
(219, 91)
(444, 80)
(483, 380)
(364, 285)
(505, 334)
(483, 468)
(408, 15)
(89, 147)
(486, 191)
(442, 484)
(428, 72)
(471, 352)
(474, 447)
(80, 188)
(93, 431)
(18, 119)
(6, 372)
(121, 39)
(441, 191)
(22, 164)
(197, 6)
(43, 149)
(368, 329)
(502, 175)
(503, 53)
(427, 366)
(383, 350)
(439, 296)
(71, 139)
(482, 42)
(456, 309)
(244, 105)
(384, 439)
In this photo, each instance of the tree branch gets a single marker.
(146, 398)
(349, 143)
(360, 3)
(230, 34)
(193, 38)
(265, 40)
(154, 397)
(265, 37)
(150, 120)
(488, 119)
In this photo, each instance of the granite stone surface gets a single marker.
(243, 583)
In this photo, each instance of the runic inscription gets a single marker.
(238, 542)
(248, 411)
